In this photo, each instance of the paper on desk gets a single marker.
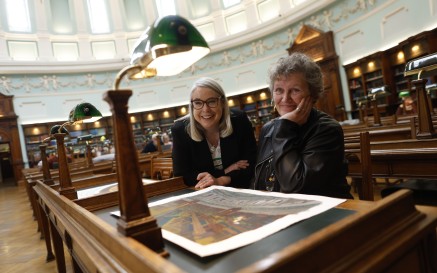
(219, 219)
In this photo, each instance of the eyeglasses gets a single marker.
(212, 103)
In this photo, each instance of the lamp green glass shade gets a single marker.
(404, 93)
(380, 91)
(58, 129)
(84, 112)
(167, 47)
(422, 65)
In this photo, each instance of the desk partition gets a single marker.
(355, 236)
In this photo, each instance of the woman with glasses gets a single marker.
(301, 151)
(213, 145)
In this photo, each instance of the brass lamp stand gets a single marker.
(65, 185)
(425, 128)
(376, 115)
(47, 176)
(135, 220)
(89, 156)
(423, 66)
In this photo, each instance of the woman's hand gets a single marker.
(241, 164)
(207, 180)
(301, 113)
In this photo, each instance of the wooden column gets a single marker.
(47, 176)
(426, 129)
(66, 186)
(135, 219)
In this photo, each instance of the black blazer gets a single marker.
(191, 157)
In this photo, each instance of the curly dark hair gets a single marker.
(298, 63)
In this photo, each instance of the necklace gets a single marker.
(213, 148)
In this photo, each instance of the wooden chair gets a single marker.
(161, 168)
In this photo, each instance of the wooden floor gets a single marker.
(21, 249)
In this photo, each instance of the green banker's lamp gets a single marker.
(83, 112)
(361, 103)
(404, 94)
(423, 67)
(47, 176)
(169, 46)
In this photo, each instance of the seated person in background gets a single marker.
(213, 145)
(152, 145)
(53, 161)
(166, 143)
(408, 105)
(301, 151)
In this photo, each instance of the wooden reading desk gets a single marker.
(390, 235)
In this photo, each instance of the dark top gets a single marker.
(149, 148)
(191, 157)
(307, 159)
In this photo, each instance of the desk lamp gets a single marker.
(83, 112)
(88, 152)
(375, 93)
(403, 95)
(423, 66)
(362, 106)
(169, 46)
(47, 176)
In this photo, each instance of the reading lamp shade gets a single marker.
(84, 112)
(404, 94)
(381, 91)
(58, 129)
(422, 65)
(167, 47)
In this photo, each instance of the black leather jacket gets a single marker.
(307, 159)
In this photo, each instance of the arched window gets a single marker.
(98, 16)
(165, 7)
(230, 3)
(18, 16)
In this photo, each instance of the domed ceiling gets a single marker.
(90, 32)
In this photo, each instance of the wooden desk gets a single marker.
(402, 159)
(357, 236)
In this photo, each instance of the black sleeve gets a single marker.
(307, 165)
(181, 154)
(247, 151)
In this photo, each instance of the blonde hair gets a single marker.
(193, 128)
